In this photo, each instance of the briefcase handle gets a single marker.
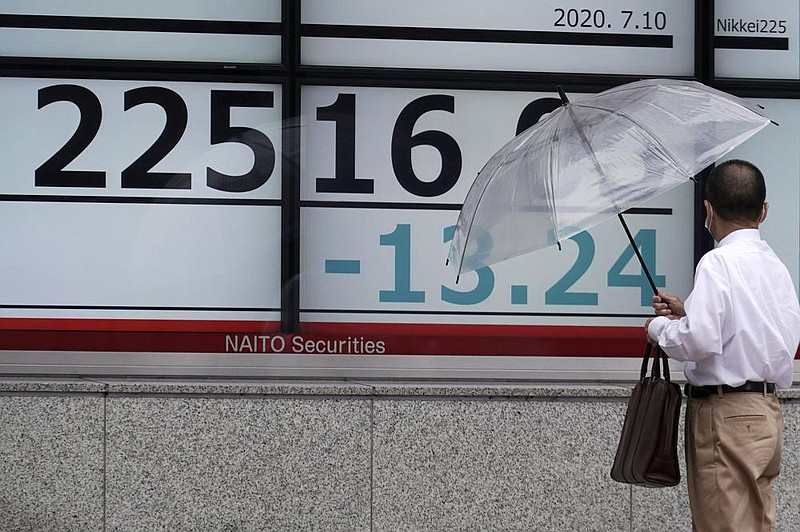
(659, 355)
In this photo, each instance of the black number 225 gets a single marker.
(139, 173)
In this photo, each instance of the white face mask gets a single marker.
(709, 220)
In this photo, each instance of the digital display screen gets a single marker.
(306, 208)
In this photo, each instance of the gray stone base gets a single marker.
(119, 455)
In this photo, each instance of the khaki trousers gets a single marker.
(733, 453)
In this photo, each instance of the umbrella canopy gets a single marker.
(592, 159)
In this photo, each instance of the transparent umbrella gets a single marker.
(592, 159)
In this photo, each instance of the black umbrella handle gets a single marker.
(638, 255)
(562, 94)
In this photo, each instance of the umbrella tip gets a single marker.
(457, 278)
(558, 243)
(447, 261)
(562, 94)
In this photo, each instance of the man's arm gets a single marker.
(698, 333)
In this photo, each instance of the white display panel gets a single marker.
(165, 139)
(383, 174)
(140, 261)
(252, 10)
(133, 45)
(757, 39)
(225, 32)
(656, 38)
(137, 201)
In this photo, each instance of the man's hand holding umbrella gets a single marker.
(665, 304)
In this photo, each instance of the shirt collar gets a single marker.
(741, 235)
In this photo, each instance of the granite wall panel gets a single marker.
(378, 457)
(238, 464)
(51, 462)
(497, 465)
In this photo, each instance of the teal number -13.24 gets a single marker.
(558, 294)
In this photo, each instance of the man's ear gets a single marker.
(764, 210)
(709, 209)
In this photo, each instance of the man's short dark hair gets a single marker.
(736, 191)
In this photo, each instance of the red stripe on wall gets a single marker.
(318, 338)
(120, 335)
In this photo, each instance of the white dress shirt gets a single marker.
(742, 318)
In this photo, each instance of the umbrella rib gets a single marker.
(644, 130)
(551, 190)
(477, 204)
(471, 222)
(591, 150)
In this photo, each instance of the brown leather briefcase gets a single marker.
(647, 454)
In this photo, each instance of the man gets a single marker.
(738, 334)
